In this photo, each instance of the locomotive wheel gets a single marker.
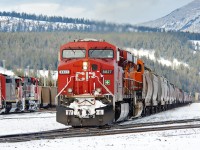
(8, 107)
(19, 106)
(144, 112)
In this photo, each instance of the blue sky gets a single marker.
(119, 11)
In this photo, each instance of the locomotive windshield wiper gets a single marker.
(74, 51)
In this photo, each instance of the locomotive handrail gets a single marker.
(133, 80)
(128, 89)
(1, 93)
(3, 98)
(107, 90)
(63, 89)
(104, 86)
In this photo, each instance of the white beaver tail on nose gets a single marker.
(85, 107)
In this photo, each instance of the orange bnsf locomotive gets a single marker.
(99, 84)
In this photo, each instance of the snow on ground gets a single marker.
(191, 111)
(28, 122)
(179, 140)
(173, 139)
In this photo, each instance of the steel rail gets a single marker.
(85, 132)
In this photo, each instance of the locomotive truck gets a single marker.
(99, 83)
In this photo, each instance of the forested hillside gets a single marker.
(40, 50)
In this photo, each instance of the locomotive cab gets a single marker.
(86, 83)
(30, 100)
(10, 93)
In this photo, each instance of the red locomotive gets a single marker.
(98, 84)
(30, 97)
(18, 94)
(10, 93)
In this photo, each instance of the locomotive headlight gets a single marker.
(69, 90)
(85, 65)
(98, 90)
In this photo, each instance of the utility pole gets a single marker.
(28, 71)
(4, 65)
(55, 81)
(44, 77)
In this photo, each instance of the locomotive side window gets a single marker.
(105, 53)
(8, 81)
(139, 68)
(75, 53)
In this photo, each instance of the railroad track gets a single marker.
(29, 112)
(111, 130)
(30, 117)
(157, 123)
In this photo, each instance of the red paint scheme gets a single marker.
(2, 89)
(17, 97)
(31, 83)
(75, 66)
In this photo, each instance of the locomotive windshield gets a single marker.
(75, 53)
(105, 53)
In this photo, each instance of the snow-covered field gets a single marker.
(28, 122)
(173, 139)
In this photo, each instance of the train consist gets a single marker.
(18, 94)
(99, 84)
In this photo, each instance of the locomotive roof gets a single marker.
(82, 43)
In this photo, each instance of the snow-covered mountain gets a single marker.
(186, 18)
(14, 24)
(22, 22)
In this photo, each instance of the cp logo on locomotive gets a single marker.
(84, 76)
